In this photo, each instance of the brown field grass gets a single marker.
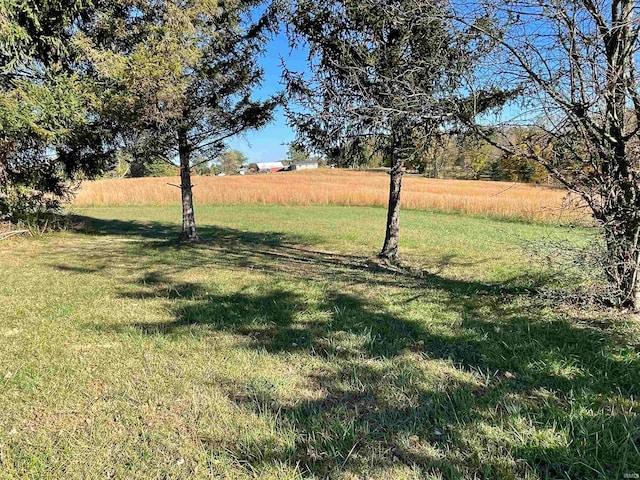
(340, 187)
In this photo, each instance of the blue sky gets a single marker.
(271, 143)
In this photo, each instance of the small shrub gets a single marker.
(575, 274)
(31, 209)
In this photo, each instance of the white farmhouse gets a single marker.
(308, 165)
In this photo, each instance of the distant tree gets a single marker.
(388, 71)
(159, 168)
(516, 164)
(435, 155)
(231, 161)
(153, 168)
(354, 152)
(185, 72)
(296, 154)
(478, 155)
(203, 167)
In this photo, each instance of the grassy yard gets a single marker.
(279, 350)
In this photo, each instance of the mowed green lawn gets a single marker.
(279, 350)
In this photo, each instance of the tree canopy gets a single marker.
(230, 161)
(183, 76)
(48, 132)
(390, 72)
(574, 62)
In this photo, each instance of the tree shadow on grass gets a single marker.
(165, 234)
(292, 255)
(506, 389)
(395, 391)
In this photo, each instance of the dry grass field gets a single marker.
(339, 187)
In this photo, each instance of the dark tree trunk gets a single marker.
(623, 262)
(189, 232)
(622, 192)
(390, 249)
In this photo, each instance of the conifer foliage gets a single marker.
(183, 75)
(390, 72)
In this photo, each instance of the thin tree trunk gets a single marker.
(390, 249)
(627, 278)
(189, 232)
(623, 264)
(634, 291)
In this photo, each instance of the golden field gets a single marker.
(338, 187)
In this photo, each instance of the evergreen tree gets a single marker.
(48, 132)
(387, 71)
(184, 74)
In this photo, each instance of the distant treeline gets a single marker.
(451, 155)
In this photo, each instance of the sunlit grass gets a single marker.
(277, 349)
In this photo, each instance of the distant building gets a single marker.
(308, 165)
(269, 166)
(262, 167)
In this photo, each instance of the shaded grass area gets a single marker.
(278, 349)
